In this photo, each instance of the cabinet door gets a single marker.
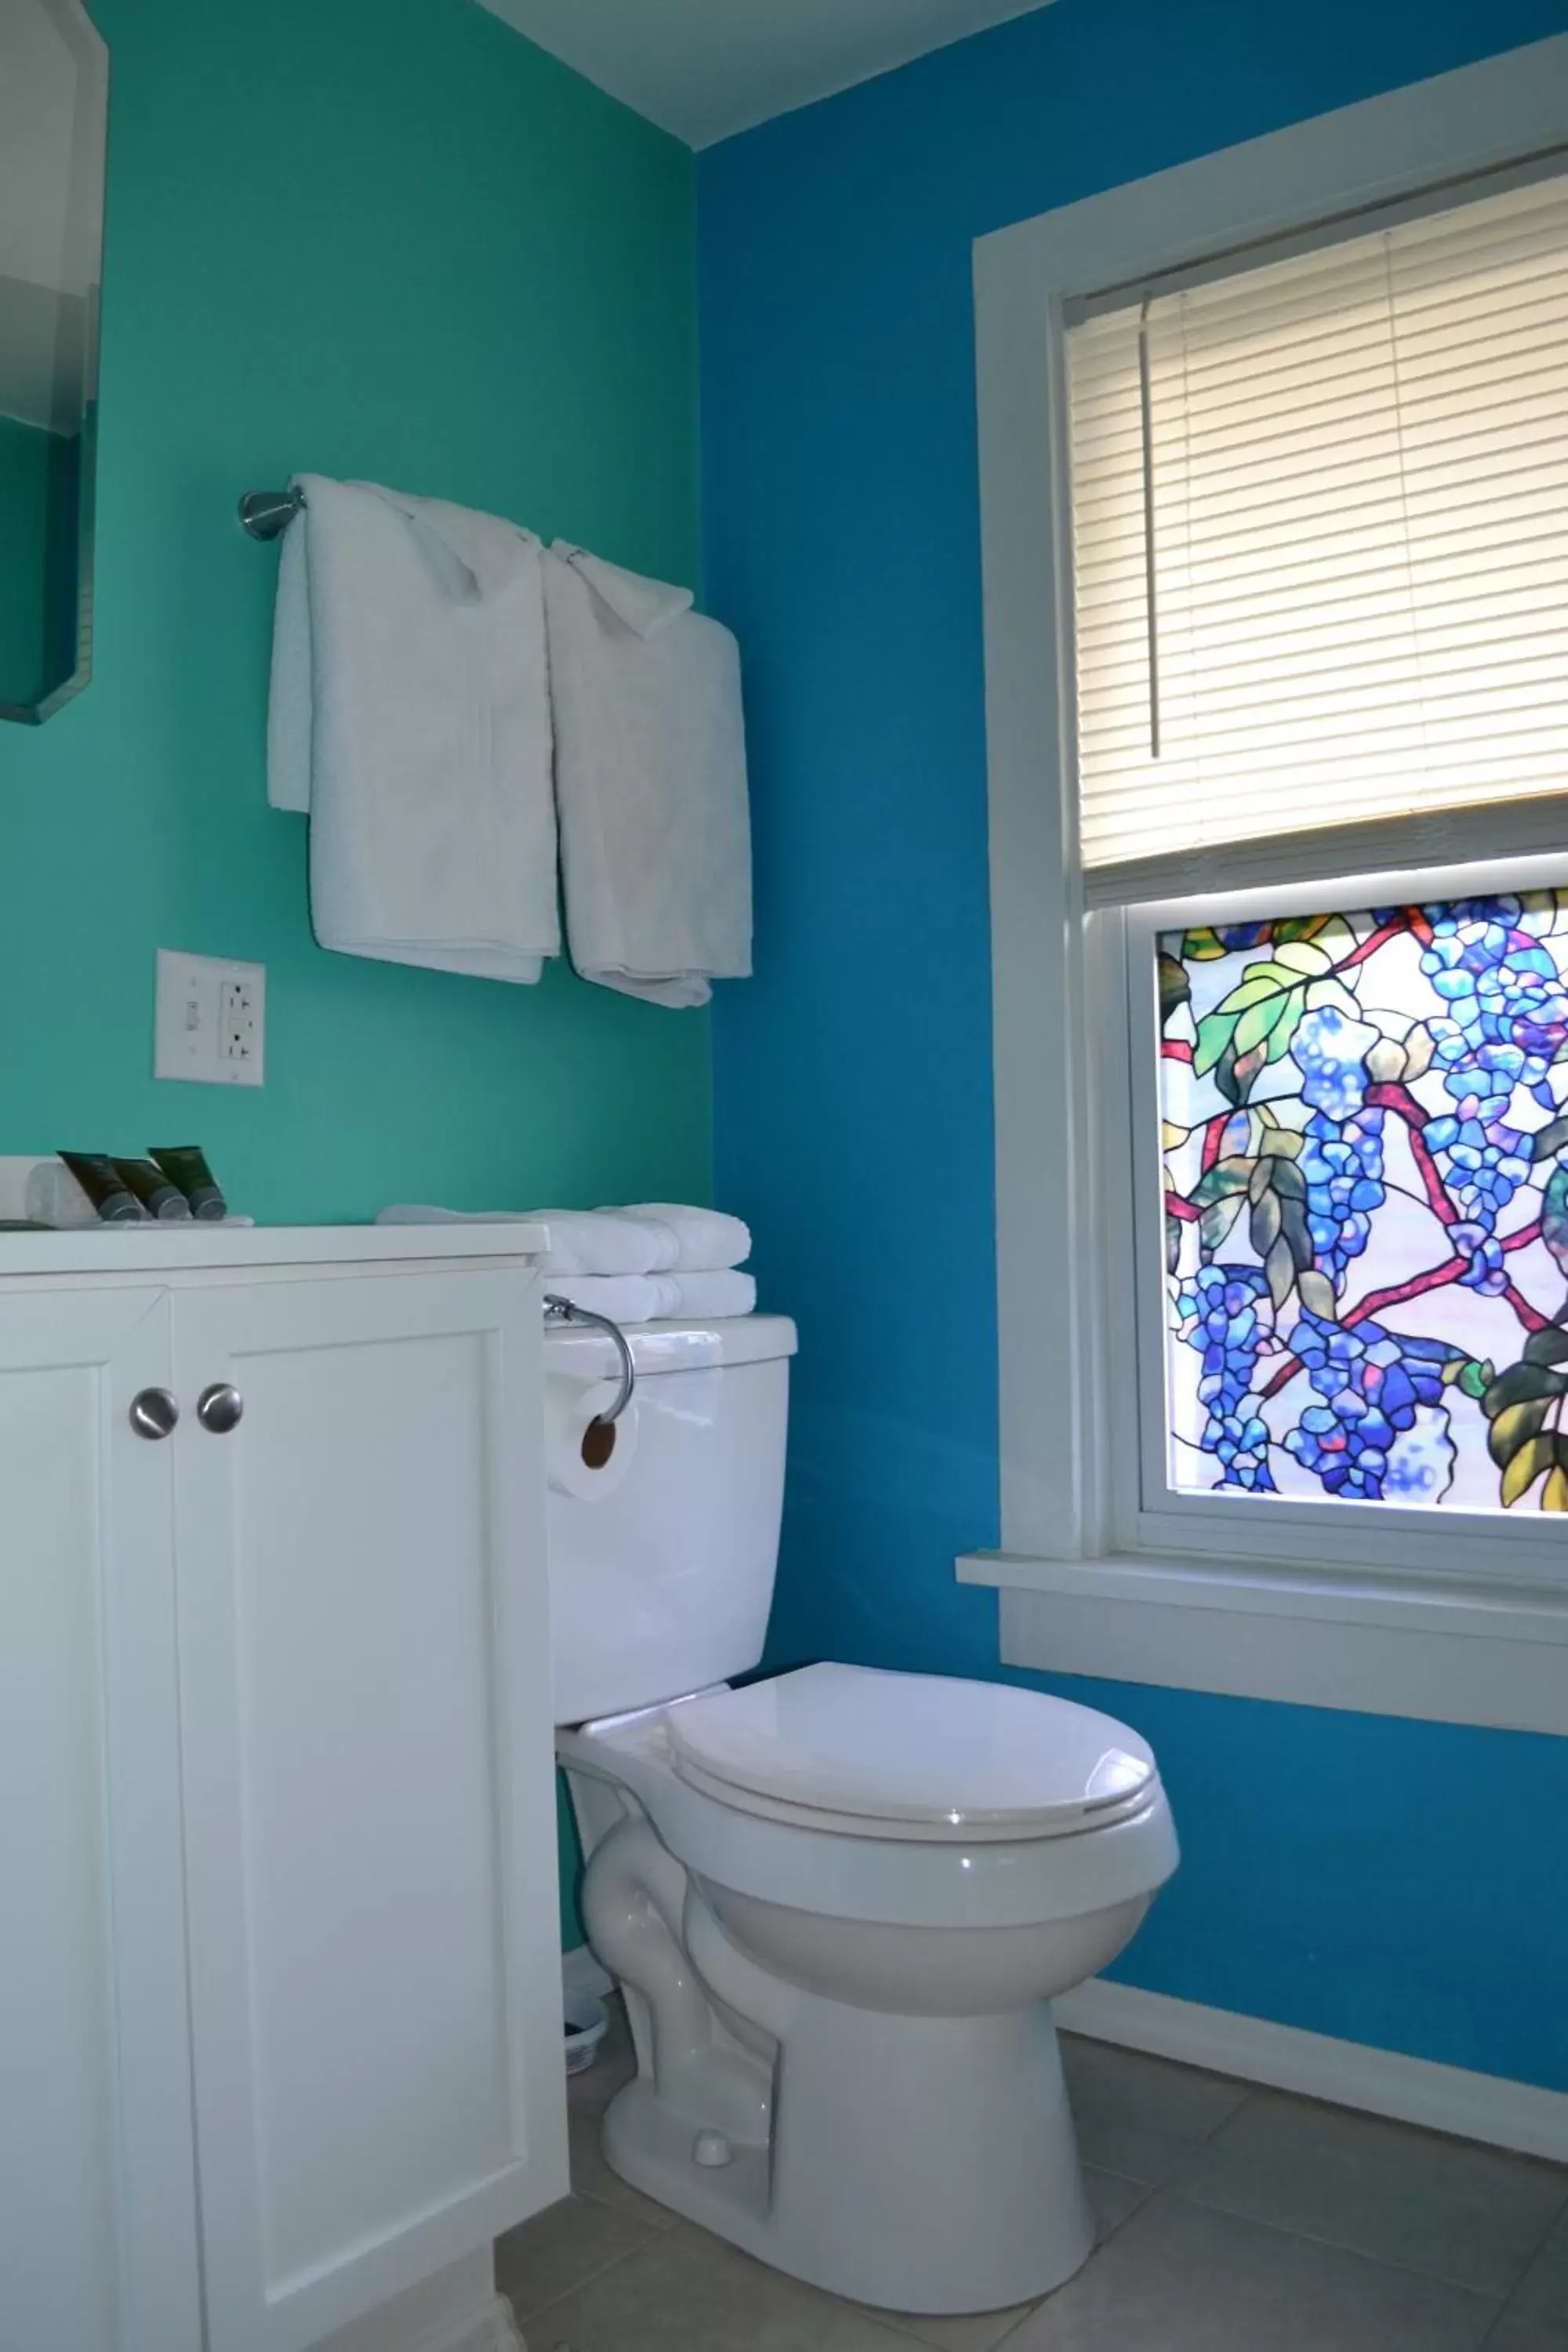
(97, 2193)
(370, 1828)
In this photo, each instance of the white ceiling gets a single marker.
(706, 68)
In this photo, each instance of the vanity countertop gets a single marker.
(158, 1249)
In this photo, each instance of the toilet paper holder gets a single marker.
(562, 1310)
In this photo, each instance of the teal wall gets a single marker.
(377, 237)
(25, 471)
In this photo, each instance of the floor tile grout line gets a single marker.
(1174, 2182)
(624, 2212)
(542, 2310)
(1511, 2299)
(1117, 2227)
(1338, 2246)
(1248, 2094)
(1149, 2188)
(1558, 2219)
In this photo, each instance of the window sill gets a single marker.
(1480, 1653)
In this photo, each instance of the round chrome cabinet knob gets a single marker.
(153, 1413)
(218, 1409)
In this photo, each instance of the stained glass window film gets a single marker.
(1365, 1153)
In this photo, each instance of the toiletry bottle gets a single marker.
(104, 1187)
(159, 1196)
(185, 1166)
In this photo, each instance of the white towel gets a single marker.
(605, 1241)
(658, 1297)
(657, 1237)
(410, 714)
(710, 1296)
(582, 1241)
(704, 1238)
(650, 783)
(424, 1212)
(624, 1297)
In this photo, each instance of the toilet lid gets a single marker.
(957, 1758)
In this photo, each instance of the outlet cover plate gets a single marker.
(210, 1020)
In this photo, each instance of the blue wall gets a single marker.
(1393, 1882)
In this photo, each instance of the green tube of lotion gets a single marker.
(158, 1196)
(104, 1186)
(185, 1165)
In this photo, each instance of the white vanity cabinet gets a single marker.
(279, 1977)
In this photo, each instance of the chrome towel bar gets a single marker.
(267, 514)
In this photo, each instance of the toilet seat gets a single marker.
(922, 1758)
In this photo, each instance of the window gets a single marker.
(1280, 867)
(1365, 1205)
(1320, 518)
(1320, 528)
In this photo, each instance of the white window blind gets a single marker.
(1320, 535)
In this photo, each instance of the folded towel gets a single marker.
(624, 1297)
(422, 1213)
(657, 1237)
(721, 1292)
(603, 1241)
(704, 1238)
(658, 1297)
(410, 714)
(582, 1241)
(650, 783)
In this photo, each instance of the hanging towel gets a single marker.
(704, 1239)
(650, 783)
(410, 715)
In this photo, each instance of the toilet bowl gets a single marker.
(846, 2057)
(839, 1900)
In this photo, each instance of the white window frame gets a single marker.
(1091, 1582)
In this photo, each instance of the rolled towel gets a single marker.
(705, 1239)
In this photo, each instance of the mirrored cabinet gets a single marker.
(54, 85)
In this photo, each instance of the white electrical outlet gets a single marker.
(210, 1020)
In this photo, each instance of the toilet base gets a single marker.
(916, 2164)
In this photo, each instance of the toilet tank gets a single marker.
(662, 1584)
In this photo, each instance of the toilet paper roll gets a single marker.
(585, 1456)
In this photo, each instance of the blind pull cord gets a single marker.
(1151, 592)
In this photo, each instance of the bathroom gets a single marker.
(729, 340)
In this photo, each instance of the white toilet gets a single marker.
(838, 1901)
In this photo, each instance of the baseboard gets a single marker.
(1488, 2107)
(580, 1975)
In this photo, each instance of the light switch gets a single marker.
(210, 1020)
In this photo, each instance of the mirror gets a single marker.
(54, 91)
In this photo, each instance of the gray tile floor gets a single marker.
(1231, 2220)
